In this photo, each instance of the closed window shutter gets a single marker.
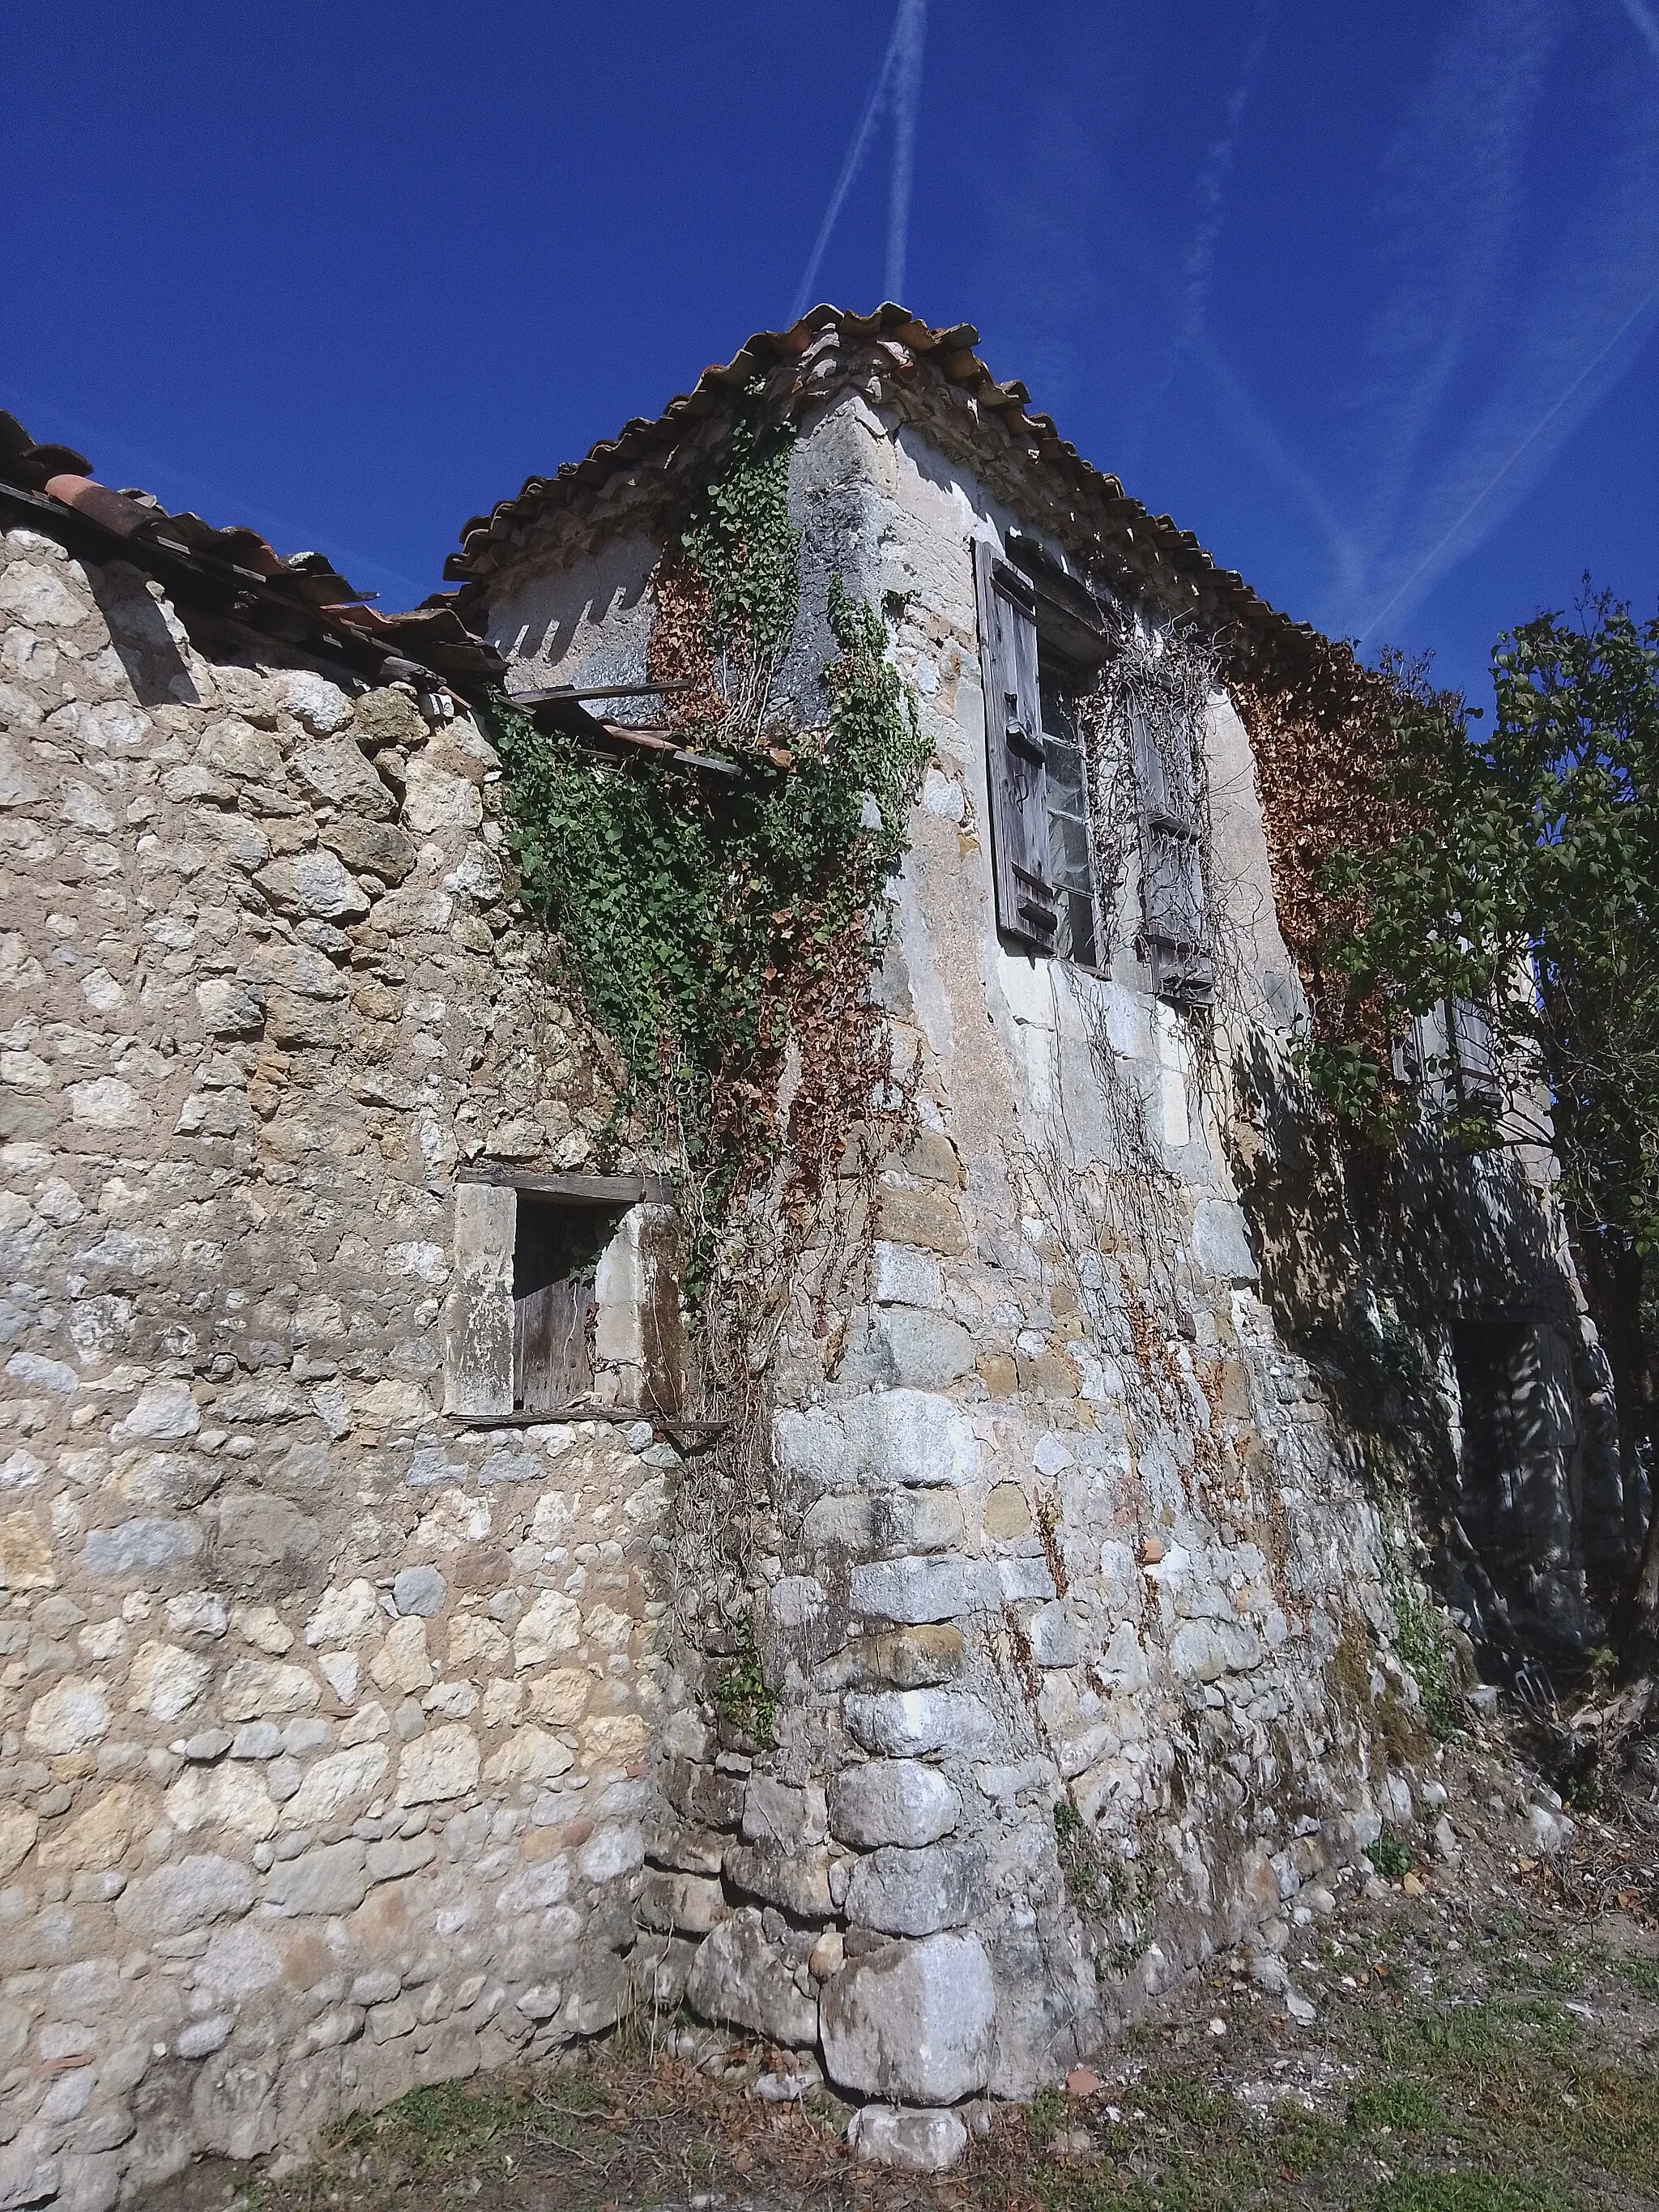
(1475, 1053)
(1171, 869)
(1028, 905)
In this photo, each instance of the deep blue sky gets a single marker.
(1306, 276)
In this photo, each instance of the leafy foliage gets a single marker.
(1518, 868)
(1523, 872)
(740, 539)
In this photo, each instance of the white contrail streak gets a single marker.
(908, 34)
(1198, 263)
(1647, 29)
(1492, 483)
(897, 87)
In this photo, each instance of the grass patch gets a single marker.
(1405, 2107)
(1466, 2192)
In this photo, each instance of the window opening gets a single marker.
(555, 1260)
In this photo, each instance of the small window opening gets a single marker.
(555, 1261)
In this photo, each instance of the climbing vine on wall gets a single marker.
(710, 925)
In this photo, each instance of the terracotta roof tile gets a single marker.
(925, 369)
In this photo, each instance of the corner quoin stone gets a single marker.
(911, 2024)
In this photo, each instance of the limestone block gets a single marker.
(315, 703)
(433, 800)
(1025, 1578)
(261, 1689)
(18, 1830)
(1123, 1663)
(25, 1554)
(686, 1904)
(418, 1590)
(551, 1625)
(1221, 1242)
(1056, 1635)
(1006, 1517)
(333, 1879)
(101, 1835)
(738, 1977)
(393, 1858)
(880, 1439)
(18, 786)
(297, 968)
(190, 1894)
(473, 1639)
(264, 1628)
(915, 1658)
(560, 1697)
(335, 772)
(1203, 1651)
(37, 596)
(73, 1714)
(530, 1755)
(885, 1521)
(616, 1848)
(165, 1679)
(395, 1404)
(929, 1219)
(389, 717)
(338, 1787)
(441, 1765)
(314, 885)
(547, 1882)
(927, 1588)
(229, 1008)
(373, 848)
(235, 748)
(704, 1794)
(915, 1349)
(775, 1812)
(233, 1795)
(889, 1801)
(32, 1370)
(915, 2142)
(909, 1723)
(912, 2023)
(617, 1739)
(905, 1277)
(165, 1412)
(916, 1893)
(233, 839)
(345, 1615)
(797, 1881)
(401, 1662)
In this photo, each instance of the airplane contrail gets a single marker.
(1493, 482)
(897, 88)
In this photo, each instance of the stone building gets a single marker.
(353, 1733)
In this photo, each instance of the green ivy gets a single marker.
(740, 539)
(693, 912)
(741, 1696)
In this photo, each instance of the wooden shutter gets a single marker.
(1028, 906)
(1171, 869)
(552, 1337)
(1475, 1055)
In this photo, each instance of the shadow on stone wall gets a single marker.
(1427, 1290)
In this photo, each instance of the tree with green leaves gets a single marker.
(1517, 870)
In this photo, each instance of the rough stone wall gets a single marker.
(1073, 1617)
(346, 1743)
(324, 1719)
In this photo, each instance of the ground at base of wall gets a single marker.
(1479, 2035)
